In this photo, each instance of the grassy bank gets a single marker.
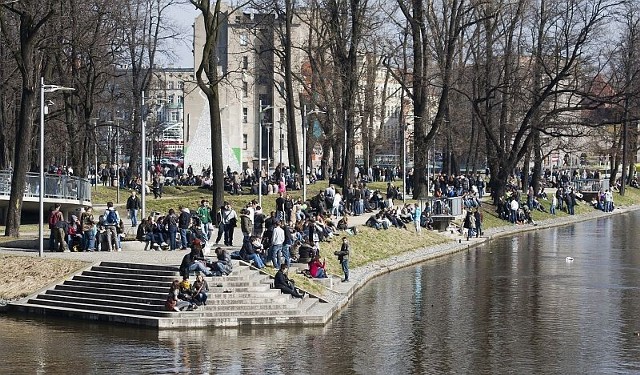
(24, 275)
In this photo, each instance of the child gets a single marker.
(343, 258)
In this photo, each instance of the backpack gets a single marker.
(111, 217)
(54, 217)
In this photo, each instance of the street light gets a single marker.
(305, 125)
(404, 163)
(261, 110)
(143, 163)
(281, 145)
(268, 126)
(44, 89)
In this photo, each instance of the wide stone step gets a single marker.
(136, 271)
(161, 288)
(129, 276)
(139, 266)
(230, 298)
(115, 280)
(159, 299)
(218, 294)
(97, 289)
(269, 305)
(118, 286)
(152, 306)
(110, 309)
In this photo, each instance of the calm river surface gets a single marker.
(513, 306)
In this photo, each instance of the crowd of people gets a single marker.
(89, 232)
(295, 230)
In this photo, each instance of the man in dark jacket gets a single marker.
(184, 221)
(283, 283)
(133, 205)
(343, 258)
(194, 261)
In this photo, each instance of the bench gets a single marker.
(441, 222)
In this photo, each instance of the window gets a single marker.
(180, 85)
(174, 116)
(282, 115)
(180, 99)
(245, 115)
(244, 39)
(170, 85)
(245, 89)
(245, 142)
(245, 62)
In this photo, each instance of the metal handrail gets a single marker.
(55, 186)
(591, 184)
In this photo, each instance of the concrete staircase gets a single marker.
(135, 294)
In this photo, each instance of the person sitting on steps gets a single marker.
(286, 285)
(317, 268)
(174, 302)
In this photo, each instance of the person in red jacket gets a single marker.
(317, 268)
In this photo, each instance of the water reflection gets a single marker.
(512, 306)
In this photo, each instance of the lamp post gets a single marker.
(281, 146)
(268, 126)
(449, 170)
(261, 110)
(143, 163)
(404, 164)
(305, 125)
(44, 89)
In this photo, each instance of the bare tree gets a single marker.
(346, 22)
(435, 29)
(626, 75)
(28, 17)
(209, 80)
(144, 27)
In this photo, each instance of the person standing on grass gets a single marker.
(204, 213)
(133, 205)
(343, 258)
(417, 214)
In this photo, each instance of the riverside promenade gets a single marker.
(338, 294)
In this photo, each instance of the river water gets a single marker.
(515, 305)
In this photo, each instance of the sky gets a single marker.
(183, 16)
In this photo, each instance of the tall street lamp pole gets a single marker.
(305, 125)
(260, 112)
(404, 163)
(268, 126)
(281, 146)
(44, 89)
(143, 163)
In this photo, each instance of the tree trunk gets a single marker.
(292, 133)
(217, 170)
(23, 149)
